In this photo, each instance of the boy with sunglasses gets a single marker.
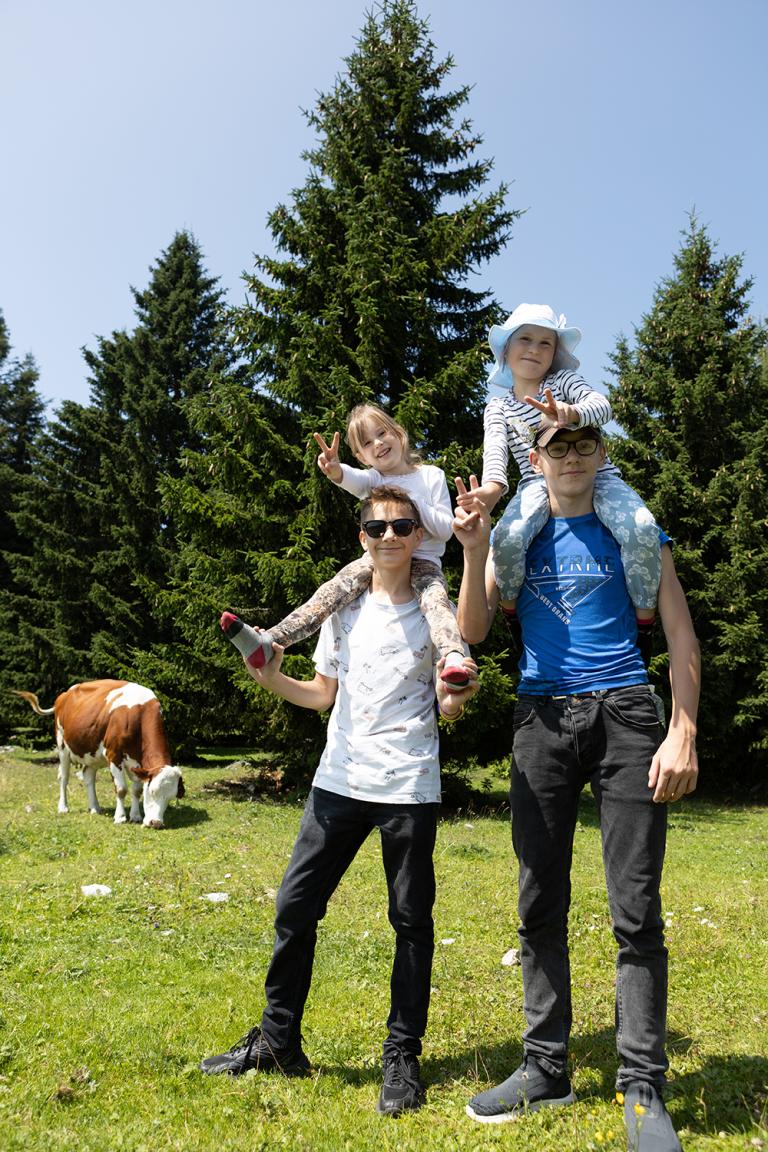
(379, 673)
(585, 713)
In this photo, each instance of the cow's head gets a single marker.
(158, 792)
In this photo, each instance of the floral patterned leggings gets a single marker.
(427, 582)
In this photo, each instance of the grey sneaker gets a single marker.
(649, 1127)
(526, 1090)
(402, 1090)
(255, 1051)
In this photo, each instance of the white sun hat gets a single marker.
(543, 317)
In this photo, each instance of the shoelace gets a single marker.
(248, 1040)
(399, 1071)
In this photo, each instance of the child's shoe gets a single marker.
(255, 647)
(454, 675)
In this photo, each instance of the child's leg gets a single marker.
(632, 524)
(336, 593)
(342, 589)
(428, 583)
(522, 520)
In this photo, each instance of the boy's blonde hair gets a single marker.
(357, 420)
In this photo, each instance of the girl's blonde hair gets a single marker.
(361, 414)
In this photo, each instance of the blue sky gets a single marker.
(609, 120)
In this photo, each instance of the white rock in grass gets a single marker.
(511, 958)
(95, 890)
(449, 940)
(216, 897)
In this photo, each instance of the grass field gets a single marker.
(108, 1003)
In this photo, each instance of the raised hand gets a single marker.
(472, 521)
(328, 460)
(554, 411)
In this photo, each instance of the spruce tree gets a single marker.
(368, 297)
(22, 416)
(691, 394)
(142, 383)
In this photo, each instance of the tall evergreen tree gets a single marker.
(61, 520)
(22, 416)
(367, 298)
(693, 399)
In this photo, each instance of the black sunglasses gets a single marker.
(401, 527)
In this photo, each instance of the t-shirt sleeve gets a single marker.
(358, 481)
(324, 656)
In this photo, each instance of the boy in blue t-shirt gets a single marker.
(585, 713)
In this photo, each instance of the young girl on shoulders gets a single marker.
(534, 362)
(381, 445)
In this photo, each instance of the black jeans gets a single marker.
(332, 830)
(559, 745)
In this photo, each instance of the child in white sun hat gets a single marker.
(534, 361)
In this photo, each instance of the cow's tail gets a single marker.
(33, 702)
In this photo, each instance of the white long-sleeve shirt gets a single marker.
(428, 489)
(509, 425)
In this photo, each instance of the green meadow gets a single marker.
(108, 1002)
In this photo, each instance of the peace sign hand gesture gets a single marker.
(554, 411)
(328, 460)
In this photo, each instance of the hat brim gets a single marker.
(542, 438)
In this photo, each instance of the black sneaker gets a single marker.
(402, 1090)
(255, 1051)
(526, 1090)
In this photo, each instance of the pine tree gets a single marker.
(142, 384)
(62, 522)
(367, 298)
(22, 416)
(693, 400)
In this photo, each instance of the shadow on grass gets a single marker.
(724, 1092)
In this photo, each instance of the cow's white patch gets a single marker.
(128, 696)
(158, 792)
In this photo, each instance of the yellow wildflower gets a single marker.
(639, 1110)
(620, 1097)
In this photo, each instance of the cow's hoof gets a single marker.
(94, 811)
(63, 810)
(121, 819)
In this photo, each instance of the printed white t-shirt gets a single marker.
(382, 742)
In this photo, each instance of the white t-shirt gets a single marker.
(428, 489)
(382, 742)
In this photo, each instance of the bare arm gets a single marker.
(675, 767)
(478, 595)
(317, 694)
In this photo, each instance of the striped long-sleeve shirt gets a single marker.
(509, 425)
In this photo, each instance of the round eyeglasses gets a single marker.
(558, 449)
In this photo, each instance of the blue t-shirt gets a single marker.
(579, 624)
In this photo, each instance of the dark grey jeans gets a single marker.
(559, 746)
(332, 831)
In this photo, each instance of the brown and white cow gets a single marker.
(117, 723)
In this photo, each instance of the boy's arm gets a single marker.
(675, 767)
(478, 595)
(317, 694)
